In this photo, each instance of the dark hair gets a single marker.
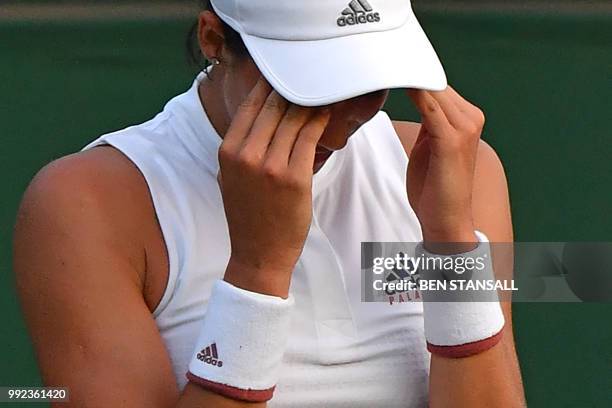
(232, 40)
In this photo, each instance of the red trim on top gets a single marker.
(467, 349)
(232, 392)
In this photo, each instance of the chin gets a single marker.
(335, 139)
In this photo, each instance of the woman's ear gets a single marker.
(210, 34)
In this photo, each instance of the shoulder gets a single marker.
(87, 203)
(98, 180)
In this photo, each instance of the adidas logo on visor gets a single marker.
(358, 12)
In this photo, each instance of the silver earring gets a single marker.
(214, 61)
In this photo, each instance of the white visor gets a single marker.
(311, 56)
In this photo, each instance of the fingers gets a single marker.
(456, 95)
(476, 114)
(303, 154)
(264, 127)
(287, 133)
(431, 112)
(246, 115)
(450, 108)
(440, 109)
(268, 131)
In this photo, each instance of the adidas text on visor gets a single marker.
(323, 51)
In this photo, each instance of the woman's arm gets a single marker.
(457, 184)
(79, 257)
(492, 378)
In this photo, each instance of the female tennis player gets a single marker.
(210, 257)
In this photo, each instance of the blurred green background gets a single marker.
(542, 76)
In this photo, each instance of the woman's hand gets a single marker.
(266, 169)
(441, 169)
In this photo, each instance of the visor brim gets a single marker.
(322, 72)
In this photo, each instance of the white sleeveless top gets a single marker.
(341, 352)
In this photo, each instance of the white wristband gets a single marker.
(461, 328)
(242, 342)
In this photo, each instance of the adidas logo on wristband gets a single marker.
(358, 12)
(210, 356)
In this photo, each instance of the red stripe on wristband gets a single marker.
(467, 349)
(232, 392)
